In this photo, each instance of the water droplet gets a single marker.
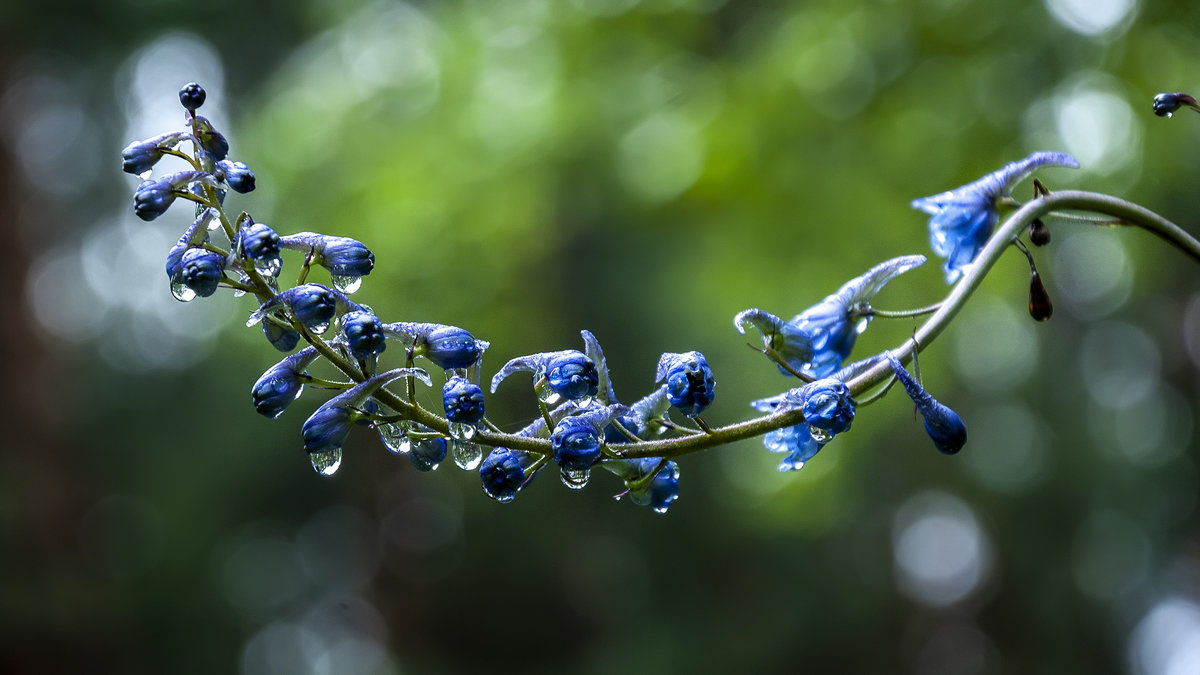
(255, 316)
(269, 267)
(661, 509)
(395, 436)
(1170, 114)
(181, 292)
(467, 456)
(576, 480)
(319, 328)
(548, 396)
(584, 402)
(861, 326)
(462, 431)
(819, 435)
(214, 223)
(326, 463)
(346, 285)
(145, 175)
(502, 498)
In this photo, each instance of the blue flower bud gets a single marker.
(342, 256)
(502, 475)
(312, 304)
(827, 405)
(962, 219)
(797, 441)
(283, 339)
(152, 199)
(1166, 104)
(449, 347)
(259, 242)
(364, 334)
(942, 424)
(210, 139)
(690, 382)
(192, 96)
(462, 400)
(572, 375)
(659, 492)
(426, 454)
(282, 383)
(237, 175)
(576, 444)
(201, 270)
(140, 157)
(327, 428)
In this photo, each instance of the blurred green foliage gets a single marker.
(643, 170)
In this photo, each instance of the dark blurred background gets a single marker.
(645, 170)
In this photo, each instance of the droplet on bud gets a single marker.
(1040, 307)
(576, 480)
(462, 431)
(467, 456)
(395, 436)
(819, 435)
(344, 284)
(182, 291)
(326, 463)
(1039, 234)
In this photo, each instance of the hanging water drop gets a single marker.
(861, 326)
(346, 285)
(576, 480)
(462, 431)
(319, 328)
(467, 456)
(182, 292)
(326, 463)
(269, 267)
(395, 436)
(548, 396)
(819, 435)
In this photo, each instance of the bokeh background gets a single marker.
(645, 170)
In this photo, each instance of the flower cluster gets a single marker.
(582, 425)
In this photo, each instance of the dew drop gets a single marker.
(576, 480)
(462, 431)
(214, 223)
(182, 292)
(319, 328)
(819, 435)
(255, 316)
(395, 436)
(269, 267)
(548, 396)
(1170, 114)
(859, 328)
(467, 456)
(584, 402)
(145, 175)
(661, 509)
(346, 285)
(326, 463)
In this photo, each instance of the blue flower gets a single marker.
(689, 380)
(192, 96)
(152, 198)
(963, 219)
(237, 175)
(326, 429)
(312, 304)
(797, 441)
(282, 383)
(140, 157)
(502, 474)
(462, 401)
(817, 341)
(364, 334)
(427, 454)
(942, 424)
(260, 244)
(827, 405)
(201, 270)
(568, 374)
(576, 444)
(283, 339)
(342, 256)
(1165, 105)
(210, 139)
(448, 347)
(659, 492)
